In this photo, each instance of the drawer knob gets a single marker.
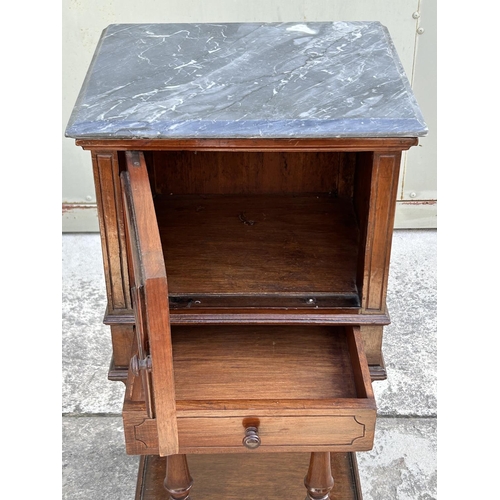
(251, 439)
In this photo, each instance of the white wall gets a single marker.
(84, 20)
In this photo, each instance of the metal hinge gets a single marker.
(137, 364)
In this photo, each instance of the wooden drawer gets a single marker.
(279, 433)
(304, 388)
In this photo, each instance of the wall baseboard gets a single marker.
(416, 215)
(79, 218)
(82, 217)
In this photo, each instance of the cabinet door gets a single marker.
(149, 290)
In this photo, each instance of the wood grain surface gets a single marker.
(254, 250)
(237, 477)
(259, 362)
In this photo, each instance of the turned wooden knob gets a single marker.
(251, 439)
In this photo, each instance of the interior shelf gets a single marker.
(263, 250)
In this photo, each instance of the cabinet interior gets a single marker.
(259, 230)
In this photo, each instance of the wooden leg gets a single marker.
(178, 481)
(319, 480)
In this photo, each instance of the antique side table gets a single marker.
(246, 179)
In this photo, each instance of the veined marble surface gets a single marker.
(246, 80)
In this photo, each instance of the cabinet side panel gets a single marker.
(377, 226)
(361, 202)
(106, 178)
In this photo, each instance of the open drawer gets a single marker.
(233, 388)
(256, 388)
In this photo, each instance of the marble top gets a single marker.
(246, 80)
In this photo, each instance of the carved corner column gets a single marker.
(111, 226)
(375, 194)
(319, 479)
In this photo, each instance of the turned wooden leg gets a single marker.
(178, 481)
(319, 480)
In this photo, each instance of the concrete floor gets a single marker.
(402, 464)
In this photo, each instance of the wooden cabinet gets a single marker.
(246, 274)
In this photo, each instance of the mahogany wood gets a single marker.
(121, 338)
(267, 316)
(148, 277)
(119, 374)
(319, 480)
(223, 172)
(329, 144)
(372, 335)
(140, 345)
(361, 373)
(277, 433)
(110, 212)
(364, 155)
(381, 171)
(178, 482)
(259, 362)
(236, 477)
(253, 233)
(361, 156)
(225, 375)
(249, 251)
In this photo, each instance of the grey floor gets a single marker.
(402, 464)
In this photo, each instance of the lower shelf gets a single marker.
(246, 477)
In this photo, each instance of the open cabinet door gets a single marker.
(153, 361)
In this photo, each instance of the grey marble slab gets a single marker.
(246, 80)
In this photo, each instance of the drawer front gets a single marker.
(283, 433)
